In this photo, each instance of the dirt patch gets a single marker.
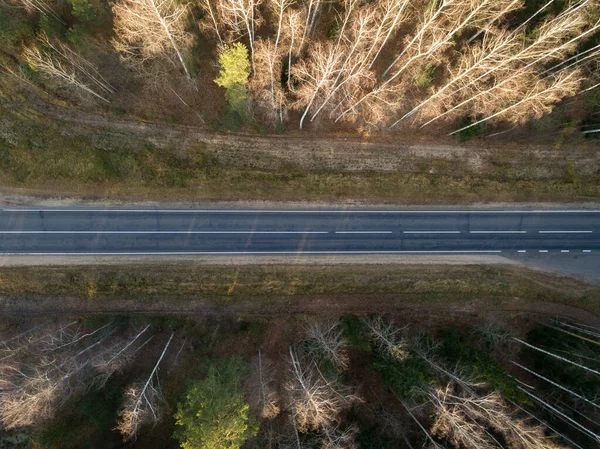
(49, 150)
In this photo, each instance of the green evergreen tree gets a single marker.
(214, 414)
(234, 71)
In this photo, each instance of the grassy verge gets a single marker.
(281, 289)
(42, 157)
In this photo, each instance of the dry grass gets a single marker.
(110, 158)
(288, 289)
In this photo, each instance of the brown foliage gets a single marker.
(149, 29)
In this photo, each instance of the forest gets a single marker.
(352, 382)
(359, 65)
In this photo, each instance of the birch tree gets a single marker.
(262, 385)
(555, 38)
(142, 403)
(315, 403)
(268, 94)
(290, 34)
(316, 74)
(387, 339)
(441, 22)
(310, 16)
(336, 438)
(353, 73)
(451, 423)
(496, 47)
(212, 21)
(393, 15)
(57, 61)
(242, 17)
(535, 101)
(44, 7)
(278, 9)
(57, 364)
(266, 83)
(149, 29)
(326, 340)
(468, 410)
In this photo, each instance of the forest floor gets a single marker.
(49, 150)
(289, 290)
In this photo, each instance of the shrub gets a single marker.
(409, 378)
(354, 332)
(424, 78)
(471, 132)
(15, 30)
(455, 350)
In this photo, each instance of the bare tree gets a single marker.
(59, 62)
(315, 403)
(495, 47)
(554, 39)
(353, 73)
(268, 93)
(536, 101)
(327, 341)
(242, 18)
(387, 338)
(142, 402)
(433, 443)
(491, 411)
(451, 422)
(310, 20)
(148, 29)
(44, 7)
(37, 383)
(557, 385)
(261, 383)
(570, 421)
(316, 74)
(546, 425)
(118, 356)
(389, 20)
(212, 22)
(293, 25)
(494, 331)
(268, 66)
(22, 342)
(581, 328)
(336, 438)
(278, 9)
(325, 76)
(500, 60)
(442, 23)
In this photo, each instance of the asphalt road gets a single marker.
(173, 232)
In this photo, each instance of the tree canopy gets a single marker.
(215, 414)
(234, 65)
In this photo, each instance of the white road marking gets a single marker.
(565, 232)
(564, 250)
(522, 251)
(431, 232)
(587, 250)
(543, 250)
(363, 232)
(192, 253)
(289, 211)
(498, 232)
(164, 232)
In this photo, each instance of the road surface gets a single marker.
(234, 232)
